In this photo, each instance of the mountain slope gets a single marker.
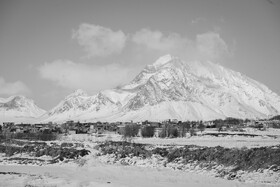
(173, 89)
(19, 109)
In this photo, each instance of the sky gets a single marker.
(48, 49)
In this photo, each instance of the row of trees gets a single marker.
(168, 130)
(181, 128)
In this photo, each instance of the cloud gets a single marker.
(211, 45)
(206, 46)
(99, 41)
(144, 46)
(13, 88)
(89, 77)
(197, 20)
(156, 40)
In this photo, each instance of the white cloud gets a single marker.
(197, 20)
(99, 41)
(211, 45)
(89, 77)
(156, 40)
(206, 46)
(145, 46)
(13, 88)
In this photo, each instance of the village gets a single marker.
(169, 128)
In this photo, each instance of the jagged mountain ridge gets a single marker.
(19, 109)
(171, 88)
(77, 104)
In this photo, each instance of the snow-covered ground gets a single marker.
(93, 170)
(97, 173)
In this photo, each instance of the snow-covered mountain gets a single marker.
(173, 89)
(78, 104)
(19, 109)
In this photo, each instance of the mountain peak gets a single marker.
(18, 107)
(18, 97)
(77, 93)
(172, 88)
(163, 60)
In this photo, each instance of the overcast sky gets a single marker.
(50, 48)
